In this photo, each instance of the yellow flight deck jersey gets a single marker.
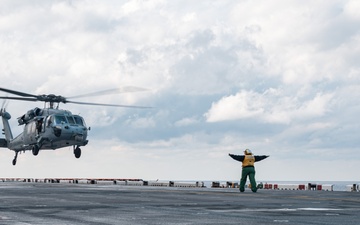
(249, 160)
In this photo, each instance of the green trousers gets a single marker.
(248, 171)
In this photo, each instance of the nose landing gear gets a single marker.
(35, 150)
(77, 152)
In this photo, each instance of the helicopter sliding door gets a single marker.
(30, 133)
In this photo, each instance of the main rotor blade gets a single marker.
(113, 105)
(19, 98)
(17, 93)
(111, 91)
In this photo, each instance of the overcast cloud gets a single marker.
(281, 78)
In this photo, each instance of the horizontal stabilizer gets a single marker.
(3, 143)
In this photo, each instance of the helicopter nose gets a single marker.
(79, 134)
(79, 138)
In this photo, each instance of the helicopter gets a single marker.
(51, 128)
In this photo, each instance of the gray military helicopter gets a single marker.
(51, 128)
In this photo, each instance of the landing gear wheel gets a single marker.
(14, 162)
(35, 150)
(77, 152)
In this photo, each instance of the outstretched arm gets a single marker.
(260, 157)
(237, 157)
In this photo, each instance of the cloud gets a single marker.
(235, 107)
(280, 78)
(272, 106)
(351, 9)
(141, 122)
(315, 107)
(186, 122)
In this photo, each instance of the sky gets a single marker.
(281, 78)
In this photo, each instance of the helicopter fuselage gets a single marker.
(50, 129)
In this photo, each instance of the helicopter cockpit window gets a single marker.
(60, 119)
(79, 120)
(71, 120)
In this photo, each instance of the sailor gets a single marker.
(248, 169)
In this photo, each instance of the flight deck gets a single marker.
(69, 203)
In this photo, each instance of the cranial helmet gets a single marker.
(248, 152)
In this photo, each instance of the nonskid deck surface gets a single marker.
(44, 203)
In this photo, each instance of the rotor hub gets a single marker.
(51, 98)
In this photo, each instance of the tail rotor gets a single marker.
(4, 105)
